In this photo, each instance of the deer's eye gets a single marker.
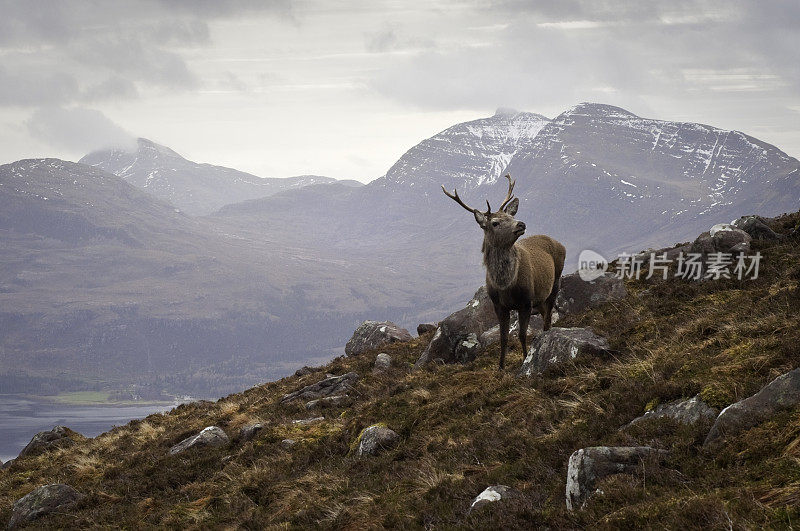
(495, 223)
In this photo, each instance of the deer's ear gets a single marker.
(511, 208)
(481, 219)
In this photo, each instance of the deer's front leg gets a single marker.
(503, 315)
(524, 319)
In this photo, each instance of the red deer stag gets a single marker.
(520, 275)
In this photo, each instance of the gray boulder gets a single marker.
(331, 385)
(58, 437)
(456, 338)
(328, 401)
(577, 295)
(561, 345)
(722, 238)
(492, 494)
(424, 328)
(756, 227)
(780, 394)
(535, 326)
(690, 411)
(373, 334)
(210, 436)
(249, 432)
(375, 439)
(42, 501)
(383, 362)
(588, 465)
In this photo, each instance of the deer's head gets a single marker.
(500, 228)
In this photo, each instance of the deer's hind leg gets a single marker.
(546, 308)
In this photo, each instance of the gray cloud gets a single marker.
(78, 129)
(70, 51)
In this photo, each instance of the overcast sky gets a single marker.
(345, 88)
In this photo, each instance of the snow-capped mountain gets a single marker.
(197, 189)
(647, 182)
(466, 155)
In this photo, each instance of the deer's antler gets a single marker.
(454, 197)
(510, 194)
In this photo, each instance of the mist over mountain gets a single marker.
(195, 188)
(111, 277)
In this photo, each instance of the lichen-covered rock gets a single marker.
(780, 394)
(425, 328)
(249, 432)
(492, 494)
(492, 335)
(456, 338)
(42, 501)
(331, 385)
(577, 295)
(561, 345)
(286, 444)
(589, 465)
(690, 411)
(58, 437)
(373, 334)
(375, 439)
(756, 227)
(210, 436)
(329, 401)
(383, 363)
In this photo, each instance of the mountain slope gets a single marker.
(464, 427)
(195, 188)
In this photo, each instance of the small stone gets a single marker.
(304, 370)
(689, 411)
(305, 422)
(249, 432)
(328, 401)
(42, 501)
(589, 465)
(210, 436)
(331, 385)
(58, 437)
(490, 495)
(561, 345)
(288, 443)
(780, 394)
(383, 363)
(375, 439)
(373, 334)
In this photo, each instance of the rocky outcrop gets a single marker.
(373, 334)
(425, 328)
(375, 439)
(492, 335)
(42, 501)
(561, 345)
(210, 436)
(332, 385)
(492, 494)
(589, 465)
(756, 227)
(249, 432)
(328, 401)
(383, 362)
(456, 338)
(780, 394)
(722, 238)
(577, 295)
(690, 411)
(58, 437)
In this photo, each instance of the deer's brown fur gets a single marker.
(520, 275)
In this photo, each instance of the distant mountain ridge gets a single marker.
(195, 188)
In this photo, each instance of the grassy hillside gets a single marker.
(463, 428)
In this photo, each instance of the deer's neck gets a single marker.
(502, 265)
